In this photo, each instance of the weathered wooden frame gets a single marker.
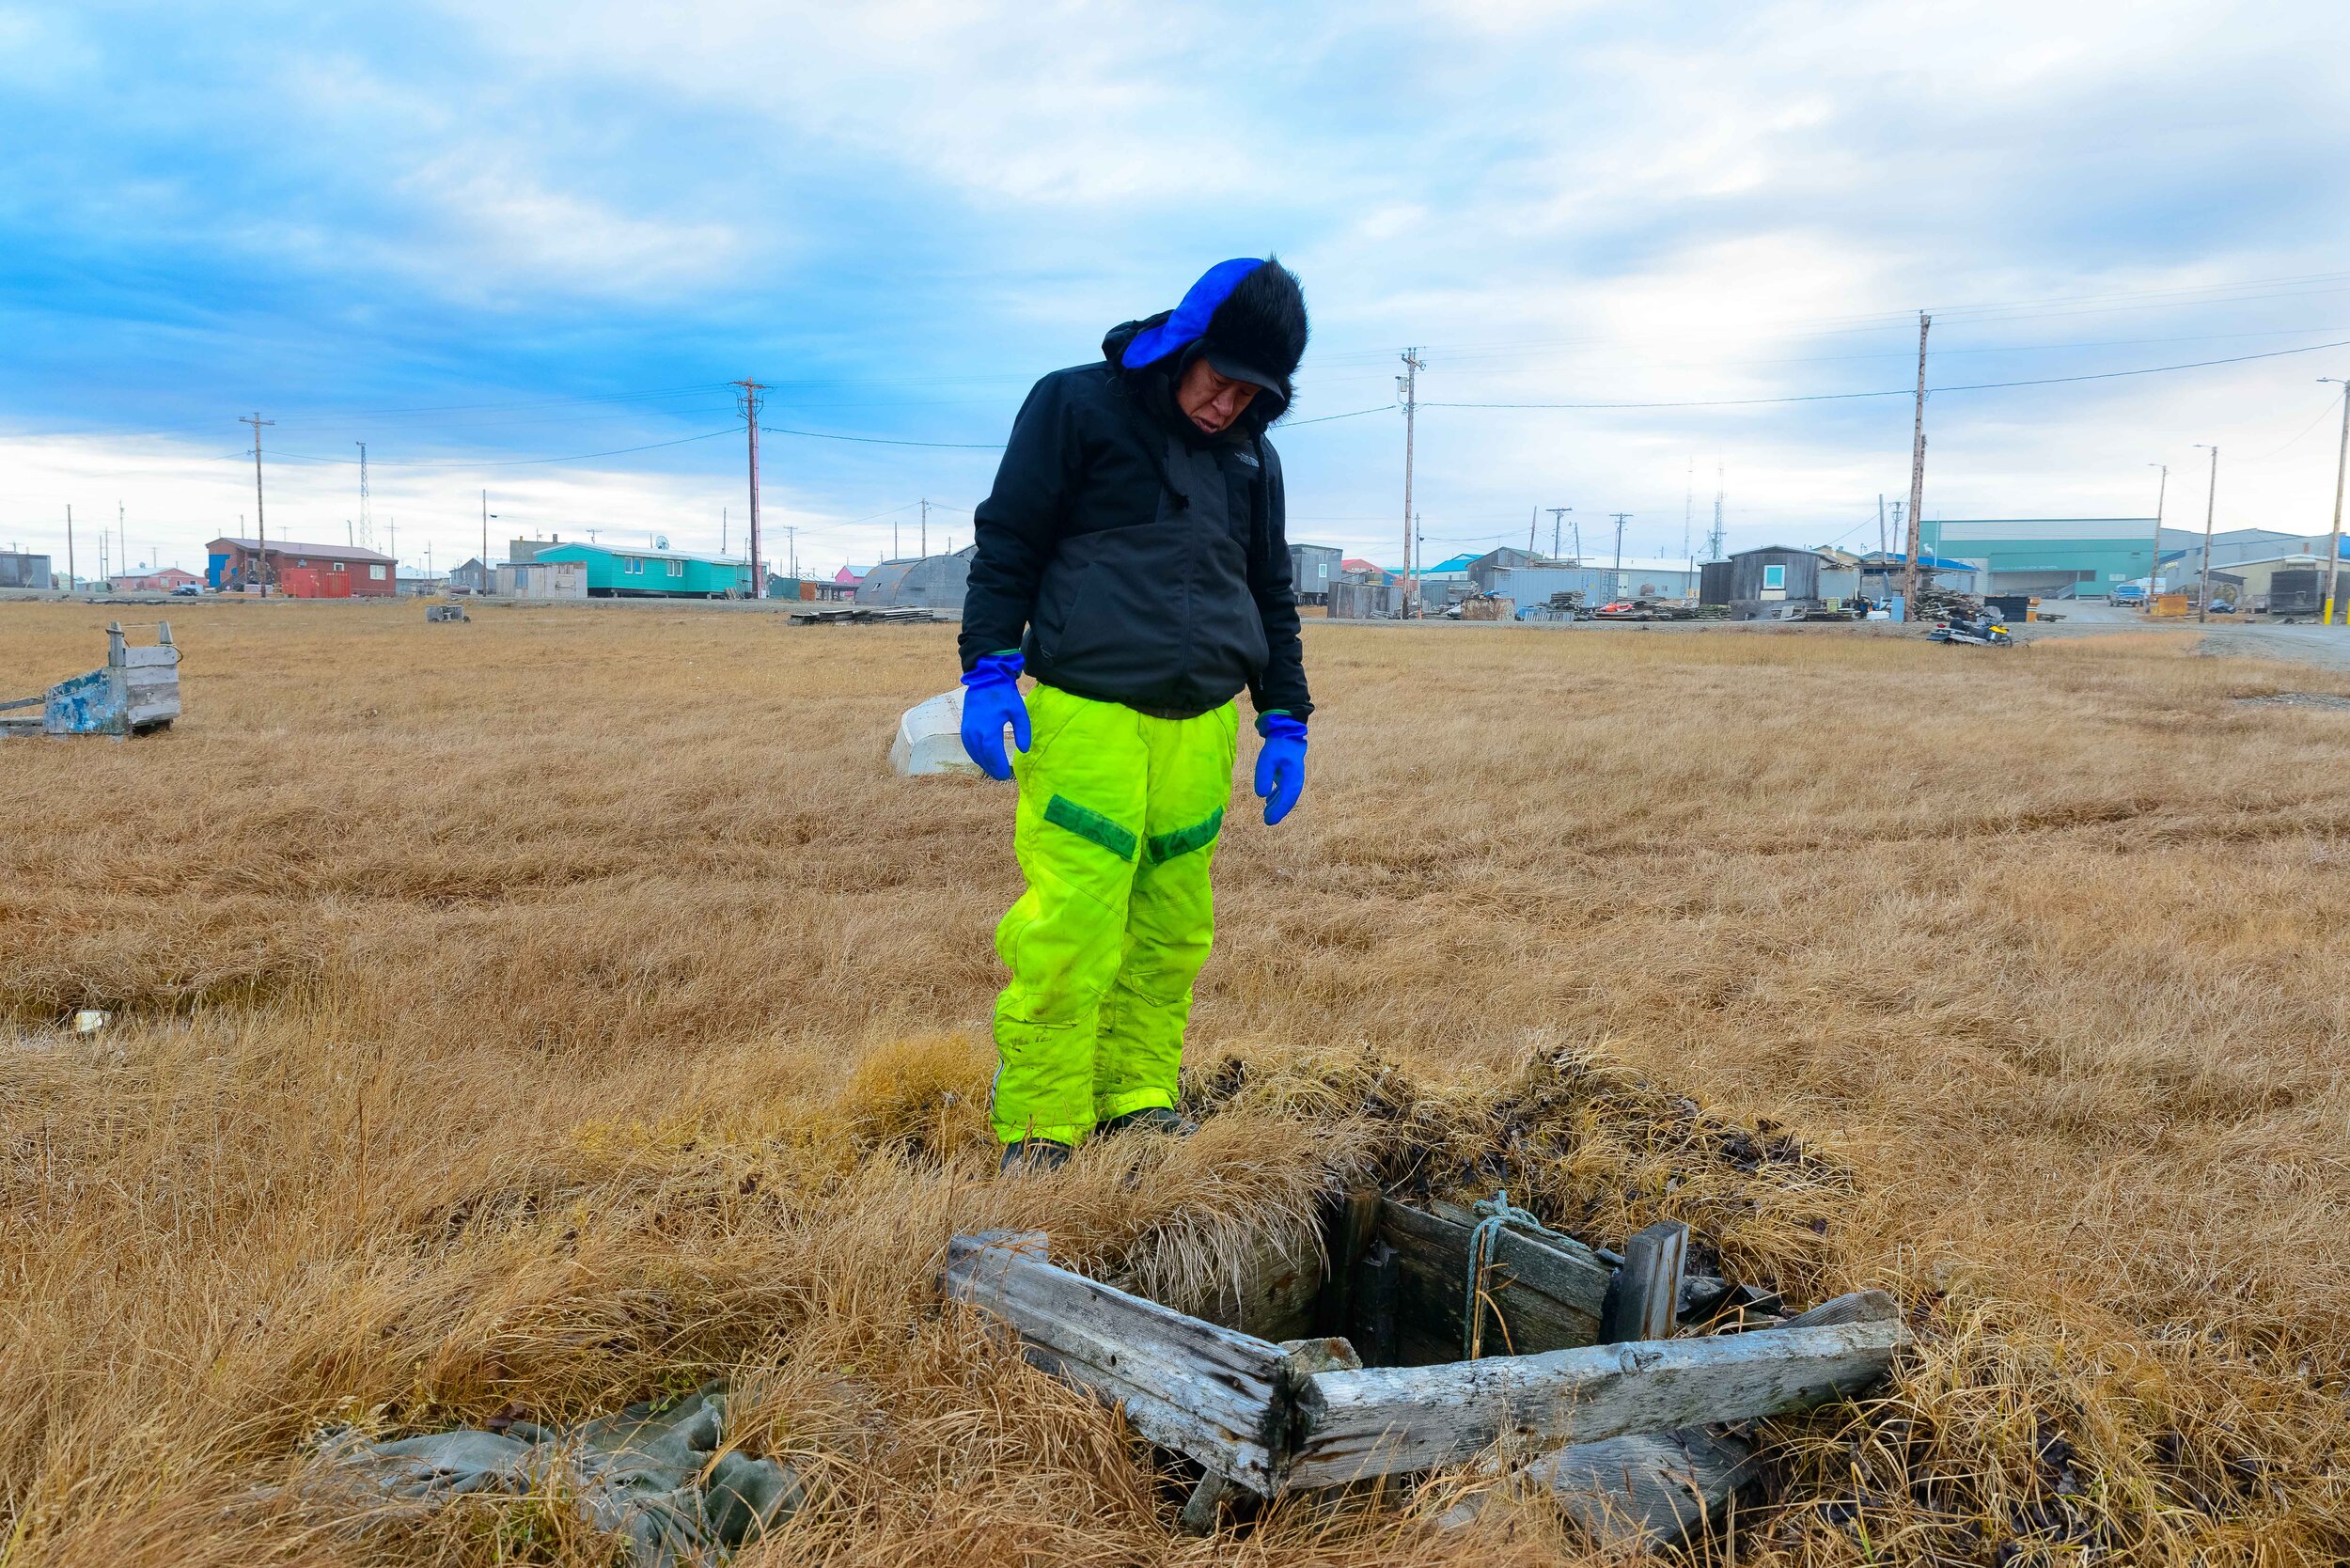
(1254, 1411)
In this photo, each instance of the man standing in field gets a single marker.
(1133, 560)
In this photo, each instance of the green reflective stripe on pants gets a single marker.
(1063, 813)
(1166, 846)
(1104, 947)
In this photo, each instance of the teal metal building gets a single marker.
(2075, 556)
(654, 573)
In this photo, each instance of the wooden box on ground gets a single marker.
(1277, 1416)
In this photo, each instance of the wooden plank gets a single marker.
(1354, 1220)
(1643, 1299)
(1404, 1419)
(1650, 1487)
(1222, 1397)
(1374, 1329)
(1859, 1306)
(1548, 1295)
(1277, 1292)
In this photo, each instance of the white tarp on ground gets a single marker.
(930, 739)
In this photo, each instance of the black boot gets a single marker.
(1150, 1119)
(1031, 1155)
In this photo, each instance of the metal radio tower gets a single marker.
(366, 523)
(1714, 540)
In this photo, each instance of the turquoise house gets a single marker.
(654, 573)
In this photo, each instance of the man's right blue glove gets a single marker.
(990, 699)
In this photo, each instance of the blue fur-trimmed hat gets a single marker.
(1249, 317)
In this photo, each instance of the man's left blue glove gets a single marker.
(1281, 765)
(990, 699)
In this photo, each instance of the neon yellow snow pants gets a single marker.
(1117, 821)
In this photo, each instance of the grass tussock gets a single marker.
(539, 1014)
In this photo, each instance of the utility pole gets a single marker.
(1408, 384)
(1880, 524)
(2341, 469)
(1558, 515)
(1916, 472)
(751, 391)
(122, 532)
(791, 551)
(69, 547)
(2153, 565)
(260, 519)
(926, 527)
(722, 530)
(1532, 518)
(2211, 502)
(1619, 516)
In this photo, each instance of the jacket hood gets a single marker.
(1247, 317)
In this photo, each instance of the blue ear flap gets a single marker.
(1188, 319)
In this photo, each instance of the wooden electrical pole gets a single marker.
(2211, 502)
(2341, 469)
(260, 521)
(1408, 382)
(751, 391)
(1917, 473)
(1617, 587)
(2162, 495)
(69, 544)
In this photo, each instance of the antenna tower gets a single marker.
(1713, 540)
(1688, 503)
(366, 523)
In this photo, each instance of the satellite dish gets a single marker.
(661, 541)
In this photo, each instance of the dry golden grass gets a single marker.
(556, 1008)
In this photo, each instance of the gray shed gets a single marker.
(920, 582)
(23, 570)
(1772, 582)
(1312, 569)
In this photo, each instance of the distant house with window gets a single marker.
(614, 573)
(298, 571)
(161, 580)
(1779, 581)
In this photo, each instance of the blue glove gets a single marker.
(990, 699)
(1281, 765)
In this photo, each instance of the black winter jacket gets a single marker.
(1132, 559)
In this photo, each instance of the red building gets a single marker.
(152, 582)
(301, 571)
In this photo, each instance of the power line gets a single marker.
(888, 440)
(507, 462)
(1905, 391)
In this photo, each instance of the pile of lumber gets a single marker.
(1626, 1378)
(831, 615)
(1940, 603)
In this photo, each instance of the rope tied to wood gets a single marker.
(1495, 1213)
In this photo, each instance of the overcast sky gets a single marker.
(476, 237)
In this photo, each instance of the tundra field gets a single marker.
(541, 1013)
